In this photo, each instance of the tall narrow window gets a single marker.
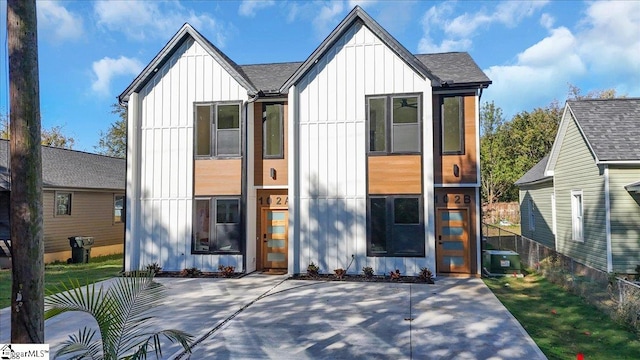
(452, 125)
(272, 131)
(532, 215)
(217, 130)
(393, 122)
(577, 216)
(377, 124)
(378, 228)
(118, 208)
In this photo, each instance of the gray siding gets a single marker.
(625, 220)
(543, 217)
(576, 170)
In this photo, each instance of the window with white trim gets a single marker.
(577, 220)
(217, 130)
(217, 225)
(118, 208)
(532, 215)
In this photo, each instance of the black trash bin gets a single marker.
(80, 249)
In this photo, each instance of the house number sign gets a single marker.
(452, 199)
(277, 200)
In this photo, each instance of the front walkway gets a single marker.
(265, 317)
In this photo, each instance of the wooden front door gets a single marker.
(452, 241)
(274, 230)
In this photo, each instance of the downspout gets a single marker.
(607, 213)
(245, 173)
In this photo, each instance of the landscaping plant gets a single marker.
(227, 271)
(122, 313)
(340, 272)
(313, 269)
(367, 271)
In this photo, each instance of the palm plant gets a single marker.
(122, 315)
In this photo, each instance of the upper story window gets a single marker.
(452, 112)
(272, 131)
(394, 124)
(63, 203)
(217, 130)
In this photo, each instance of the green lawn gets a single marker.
(98, 269)
(561, 323)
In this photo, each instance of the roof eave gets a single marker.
(534, 182)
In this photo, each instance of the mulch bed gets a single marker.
(362, 278)
(177, 274)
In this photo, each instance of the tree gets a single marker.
(27, 288)
(114, 141)
(122, 314)
(495, 181)
(50, 137)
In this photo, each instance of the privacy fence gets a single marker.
(614, 294)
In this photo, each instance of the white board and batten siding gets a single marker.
(163, 181)
(330, 153)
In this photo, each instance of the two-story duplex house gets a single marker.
(362, 152)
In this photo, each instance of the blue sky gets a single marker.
(89, 51)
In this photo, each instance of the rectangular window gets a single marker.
(217, 128)
(63, 203)
(532, 215)
(217, 227)
(394, 124)
(452, 110)
(576, 215)
(395, 226)
(118, 208)
(272, 131)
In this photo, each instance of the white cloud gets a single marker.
(459, 31)
(107, 68)
(250, 7)
(362, 3)
(57, 23)
(547, 21)
(139, 20)
(326, 19)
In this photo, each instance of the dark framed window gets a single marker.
(118, 208)
(394, 124)
(395, 226)
(63, 203)
(452, 113)
(217, 130)
(272, 131)
(217, 225)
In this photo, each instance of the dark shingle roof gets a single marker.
(455, 67)
(535, 174)
(611, 126)
(62, 168)
(269, 77)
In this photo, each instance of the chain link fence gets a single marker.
(612, 293)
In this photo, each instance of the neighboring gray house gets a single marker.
(583, 199)
(83, 195)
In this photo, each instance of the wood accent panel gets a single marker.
(91, 215)
(467, 162)
(472, 206)
(262, 167)
(218, 177)
(399, 174)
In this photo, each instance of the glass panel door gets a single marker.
(274, 238)
(452, 241)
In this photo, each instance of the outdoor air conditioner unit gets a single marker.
(501, 262)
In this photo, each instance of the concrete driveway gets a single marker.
(268, 317)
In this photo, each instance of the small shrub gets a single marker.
(395, 275)
(368, 271)
(154, 268)
(426, 275)
(340, 272)
(227, 271)
(313, 269)
(191, 272)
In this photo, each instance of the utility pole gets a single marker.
(27, 245)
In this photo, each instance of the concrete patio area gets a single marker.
(269, 317)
